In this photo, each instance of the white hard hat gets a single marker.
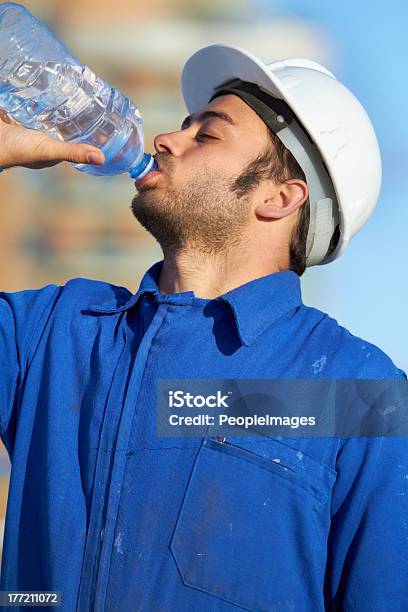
(339, 154)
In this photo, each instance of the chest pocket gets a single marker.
(249, 523)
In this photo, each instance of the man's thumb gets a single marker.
(82, 154)
(95, 157)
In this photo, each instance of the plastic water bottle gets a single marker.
(44, 87)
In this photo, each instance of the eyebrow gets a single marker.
(207, 115)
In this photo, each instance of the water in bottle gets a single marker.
(44, 87)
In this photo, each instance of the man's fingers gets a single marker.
(20, 146)
(5, 117)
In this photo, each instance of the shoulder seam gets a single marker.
(25, 354)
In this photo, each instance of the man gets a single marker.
(274, 169)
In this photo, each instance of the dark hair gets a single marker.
(286, 167)
(279, 164)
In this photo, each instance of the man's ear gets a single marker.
(282, 199)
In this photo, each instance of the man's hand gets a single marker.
(20, 146)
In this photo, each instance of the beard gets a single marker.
(206, 213)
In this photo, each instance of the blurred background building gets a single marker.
(58, 223)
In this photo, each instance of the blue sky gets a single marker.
(366, 290)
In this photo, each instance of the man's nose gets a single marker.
(172, 143)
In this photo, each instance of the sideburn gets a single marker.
(258, 170)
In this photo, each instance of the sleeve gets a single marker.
(367, 565)
(23, 316)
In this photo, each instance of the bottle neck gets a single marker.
(144, 167)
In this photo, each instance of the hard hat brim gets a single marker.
(210, 67)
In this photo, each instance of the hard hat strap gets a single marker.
(274, 112)
(324, 215)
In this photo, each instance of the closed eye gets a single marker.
(199, 135)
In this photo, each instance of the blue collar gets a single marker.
(256, 305)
